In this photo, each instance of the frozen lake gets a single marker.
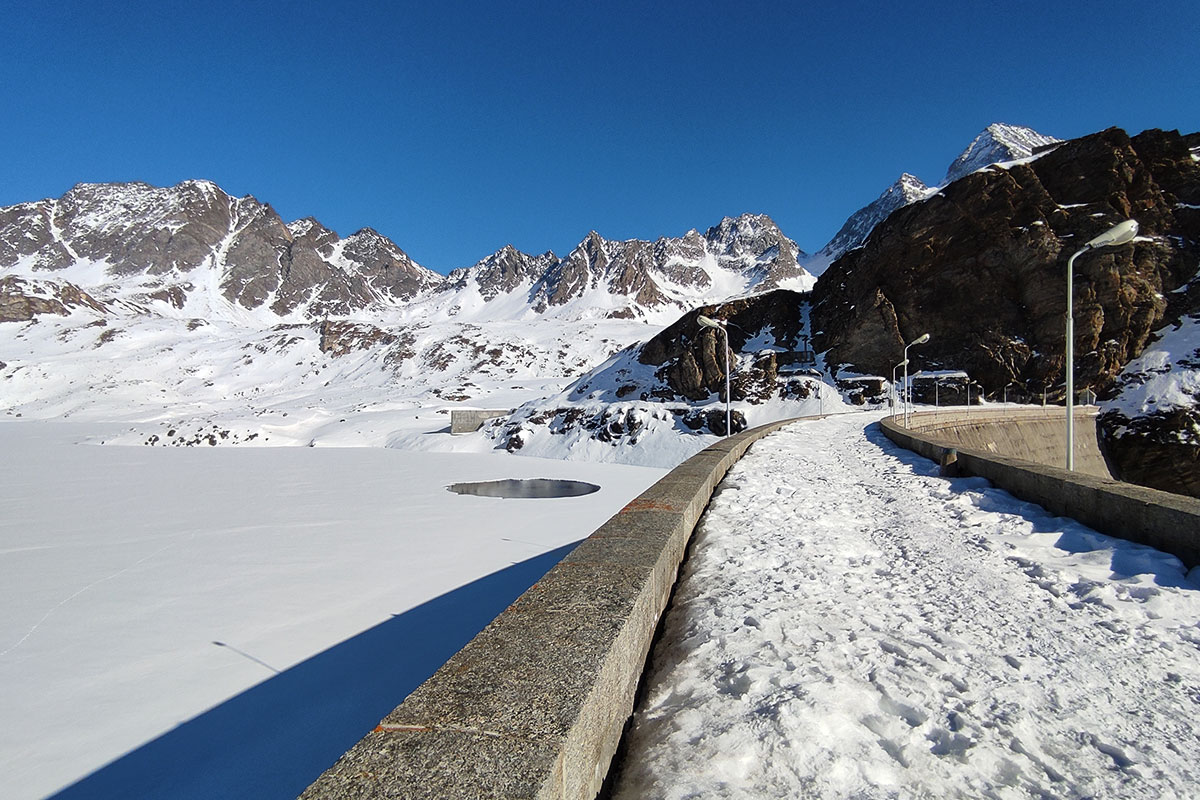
(220, 620)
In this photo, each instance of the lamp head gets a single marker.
(708, 322)
(1121, 233)
(922, 339)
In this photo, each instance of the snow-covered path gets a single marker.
(851, 625)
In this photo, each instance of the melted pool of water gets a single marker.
(529, 487)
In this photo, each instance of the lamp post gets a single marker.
(903, 363)
(922, 339)
(1121, 233)
(706, 322)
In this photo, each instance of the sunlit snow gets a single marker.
(851, 625)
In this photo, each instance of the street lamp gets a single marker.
(706, 322)
(903, 363)
(1121, 233)
(922, 339)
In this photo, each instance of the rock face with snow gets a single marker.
(166, 243)
(1152, 421)
(908, 189)
(981, 266)
(998, 143)
(765, 331)
(172, 245)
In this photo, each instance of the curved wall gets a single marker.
(1166, 521)
(1033, 434)
(535, 705)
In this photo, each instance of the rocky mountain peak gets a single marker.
(997, 143)
(907, 189)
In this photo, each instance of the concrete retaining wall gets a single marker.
(535, 705)
(1033, 434)
(469, 420)
(1168, 522)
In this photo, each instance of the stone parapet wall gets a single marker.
(1033, 434)
(1166, 521)
(535, 705)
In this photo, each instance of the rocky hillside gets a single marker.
(998, 143)
(192, 249)
(981, 266)
(192, 244)
(669, 391)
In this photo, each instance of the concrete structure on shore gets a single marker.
(469, 420)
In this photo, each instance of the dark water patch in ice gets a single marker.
(529, 487)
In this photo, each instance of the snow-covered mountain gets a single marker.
(630, 279)
(203, 318)
(206, 254)
(194, 248)
(908, 189)
(998, 143)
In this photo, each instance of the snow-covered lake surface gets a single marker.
(226, 621)
(851, 625)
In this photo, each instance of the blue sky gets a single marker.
(456, 130)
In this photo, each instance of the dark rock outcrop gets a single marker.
(690, 360)
(1151, 451)
(21, 300)
(981, 266)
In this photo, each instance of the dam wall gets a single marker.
(1032, 434)
(536, 704)
(1165, 521)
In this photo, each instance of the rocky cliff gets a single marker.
(981, 266)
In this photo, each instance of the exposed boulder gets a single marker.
(22, 300)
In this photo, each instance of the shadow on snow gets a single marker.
(274, 739)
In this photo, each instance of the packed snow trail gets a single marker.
(851, 625)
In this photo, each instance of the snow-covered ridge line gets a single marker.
(998, 144)
(157, 245)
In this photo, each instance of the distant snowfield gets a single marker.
(143, 586)
(851, 625)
